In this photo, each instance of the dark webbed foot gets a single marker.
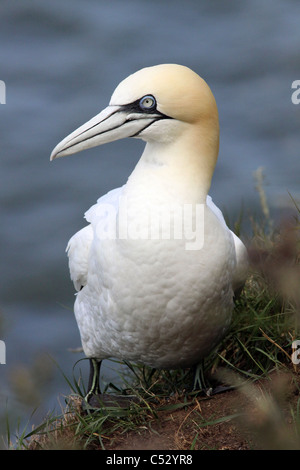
(106, 400)
(208, 386)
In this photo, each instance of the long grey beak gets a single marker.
(113, 123)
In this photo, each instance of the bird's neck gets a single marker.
(184, 166)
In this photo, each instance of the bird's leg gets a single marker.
(199, 379)
(94, 399)
(93, 385)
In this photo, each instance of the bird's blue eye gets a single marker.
(147, 102)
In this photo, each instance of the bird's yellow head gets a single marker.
(178, 92)
(154, 104)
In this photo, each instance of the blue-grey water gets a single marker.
(61, 61)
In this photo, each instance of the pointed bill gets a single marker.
(113, 123)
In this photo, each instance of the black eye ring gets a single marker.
(147, 103)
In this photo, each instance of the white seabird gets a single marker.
(145, 292)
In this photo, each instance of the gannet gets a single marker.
(148, 290)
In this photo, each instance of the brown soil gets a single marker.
(177, 430)
(255, 417)
(258, 417)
